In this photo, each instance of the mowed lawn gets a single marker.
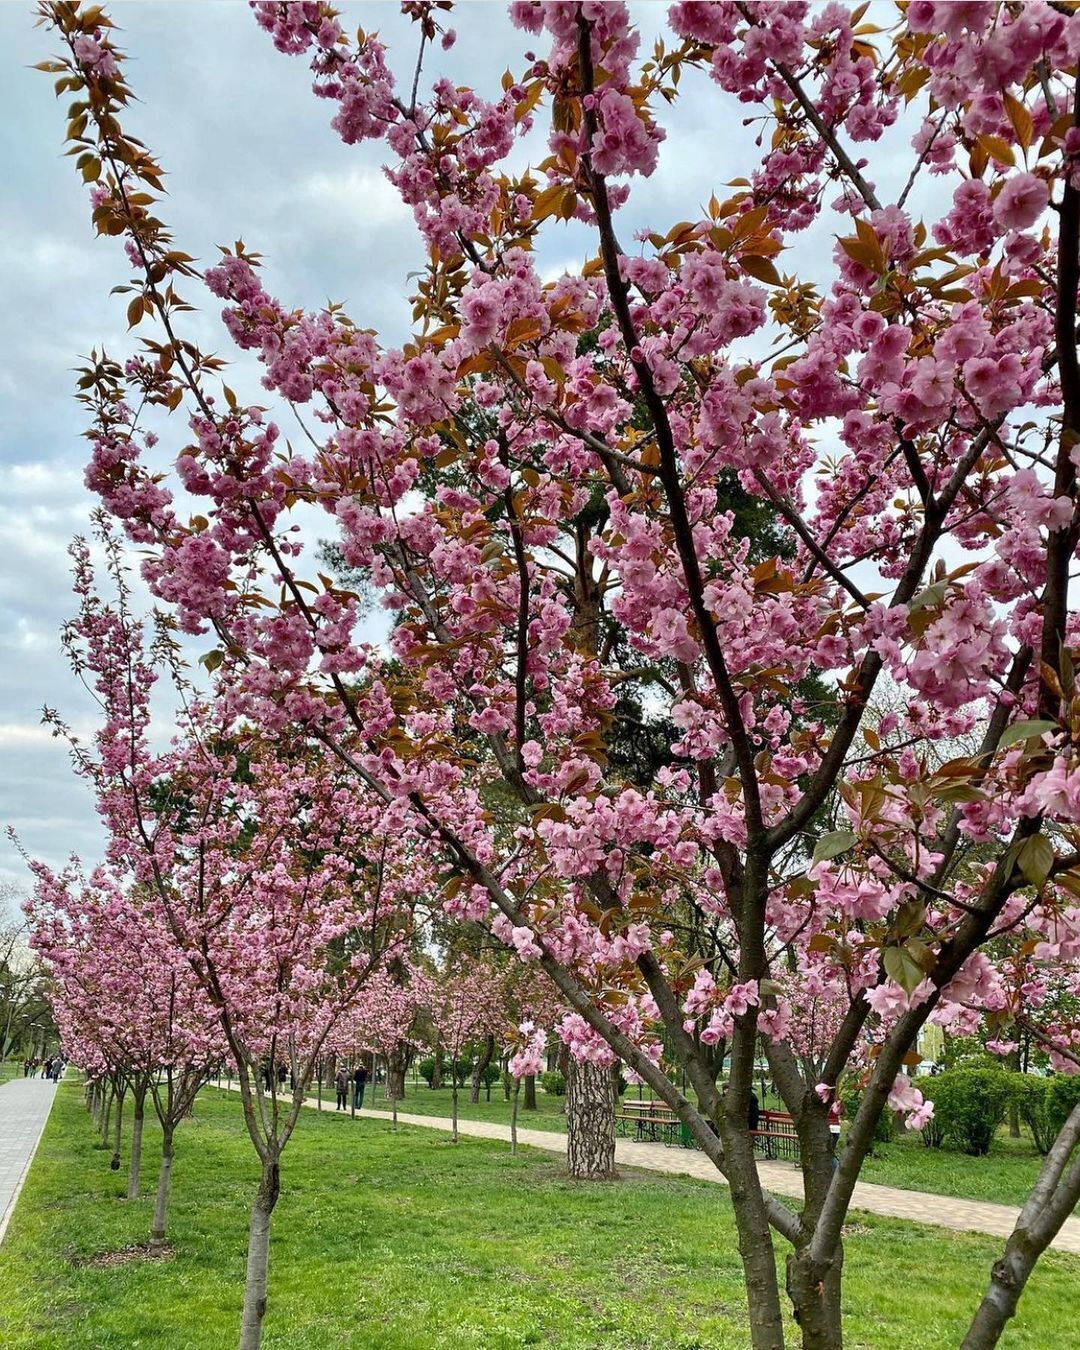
(1004, 1177)
(405, 1241)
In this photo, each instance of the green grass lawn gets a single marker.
(1005, 1176)
(421, 1100)
(404, 1242)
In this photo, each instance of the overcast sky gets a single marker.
(249, 152)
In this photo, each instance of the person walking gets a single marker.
(359, 1083)
(341, 1082)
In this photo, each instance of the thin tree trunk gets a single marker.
(590, 1121)
(105, 1118)
(815, 1297)
(258, 1257)
(161, 1200)
(1013, 1063)
(117, 1132)
(454, 1093)
(1050, 1203)
(395, 1076)
(514, 1115)
(136, 1145)
(755, 1240)
(480, 1068)
(437, 1068)
(529, 1104)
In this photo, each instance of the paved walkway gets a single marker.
(25, 1104)
(941, 1211)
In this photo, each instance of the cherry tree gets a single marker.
(539, 484)
(279, 891)
(385, 1020)
(466, 1006)
(125, 998)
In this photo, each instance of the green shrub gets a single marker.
(490, 1074)
(884, 1130)
(1062, 1094)
(462, 1067)
(553, 1082)
(969, 1105)
(1031, 1096)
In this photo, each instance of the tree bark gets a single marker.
(437, 1069)
(1013, 1063)
(754, 1238)
(453, 1113)
(136, 1145)
(395, 1076)
(479, 1069)
(117, 1132)
(1050, 1203)
(258, 1257)
(105, 1117)
(529, 1104)
(161, 1200)
(815, 1297)
(590, 1122)
(514, 1116)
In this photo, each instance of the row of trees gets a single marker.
(26, 1025)
(553, 487)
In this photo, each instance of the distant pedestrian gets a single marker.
(281, 1075)
(341, 1082)
(359, 1083)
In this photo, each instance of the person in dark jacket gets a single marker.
(341, 1082)
(359, 1083)
(755, 1111)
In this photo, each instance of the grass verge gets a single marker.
(404, 1242)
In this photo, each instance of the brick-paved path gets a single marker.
(941, 1211)
(24, 1108)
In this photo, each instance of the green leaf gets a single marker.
(1036, 858)
(1025, 731)
(832, 845)
(933, 595)
(903, 969)
(213, 659)
(961, 792)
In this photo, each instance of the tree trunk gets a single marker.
(755, 1239)
(258, 1257)
(514, 1115)
(437, 1069)
(1013, 1062)
(117, 1128)
(105, 1117)
(814, 1286)
(815, 1298)
(161, 1200)
(395, 1076)
(480, 1068)
(136, 1145)
(1052, 1200)
(453, 1098)
(529, 1103)
(590, 1121)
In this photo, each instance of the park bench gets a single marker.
(652, 1121)
(776, 1136)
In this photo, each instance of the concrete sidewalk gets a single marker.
(940, 1211)
(25, 1104)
